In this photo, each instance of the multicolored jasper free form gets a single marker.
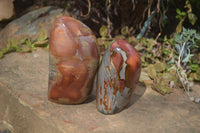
(117, 77)
(73, 57)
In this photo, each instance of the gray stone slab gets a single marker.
(24, 105)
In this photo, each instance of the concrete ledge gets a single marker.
(25, 108)
(20, 117)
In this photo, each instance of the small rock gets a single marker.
(29, 25)
(191, 98)
(197, 100)
(6, 9)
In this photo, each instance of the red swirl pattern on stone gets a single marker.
(73, 62)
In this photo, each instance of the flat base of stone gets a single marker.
(25, 108)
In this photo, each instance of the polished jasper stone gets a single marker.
(73, 61)
(117, 77)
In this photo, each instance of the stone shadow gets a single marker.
(90, 98)
(139, 92)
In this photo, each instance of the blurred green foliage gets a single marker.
(181, 15)
(160, 56)
(25, 45)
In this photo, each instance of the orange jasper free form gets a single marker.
(73, 61)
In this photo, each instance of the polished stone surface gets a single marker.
(117, 77)
(73, 62)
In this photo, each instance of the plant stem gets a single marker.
(180, 54)
(108, 19)
(89, 8)
(182, 76)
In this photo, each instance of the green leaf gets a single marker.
(192, 18)
(187, 58)
(165, 89)
(184, 30)
(172, 68)
(177, 38)
(103, 31)
(14, 42)
(100, 41)
(168, 76)
(124, 30)
(8, 45)
(148, 83)
(1, 54)
(172, 61)
(166, 51)
(197, 36)
(165, 38)
(25, 48)
(4, 50)
(47, 46)
(42, 35)
(144, 76)
(149, 55)
(11, 42)
(106, 44)
(152, 72)
(132, 40)
(23, 41)
(195, 76)
(28, 43)
(192, 32)
(179, 27)
(159, 66)
(183, 13)
(107, 3)
(194, 67)
(16, 48)
(178, 11)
